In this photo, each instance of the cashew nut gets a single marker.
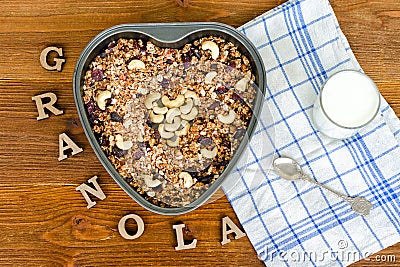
(242, 84)
(171, 114)
(173, 142)
(189, 117)
(172, 127)
(136, 64)
(101, 99)
(180, 99)
(184, 130)
(163, 133)
(192, 95)
(210, 154)
(159, 110)
(228, 119)
(121, 144)
(148, 102)
(213, 47)
(188, 181)
(148, 179)
(185, 109)
(209, 77)
(155, 118)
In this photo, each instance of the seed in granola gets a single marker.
(115, 117)
(97, 75)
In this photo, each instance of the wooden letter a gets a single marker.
(70, 145)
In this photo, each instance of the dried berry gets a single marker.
(205, 179)
(91, 107)
(225, 142)
(157, 134)
(205, 140)
(214, 66)
(138, 155)
(103, 54)
(221, 163)
(232, 64)
(221, 90)
(115, 117)
(112, 44)
(141, 145)
(164, 83)
(97, 75)
(119, 152)
(239, 133)
(169, 61)
(103, 140)
(213, 105)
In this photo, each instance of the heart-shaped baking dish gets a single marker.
(173, 36)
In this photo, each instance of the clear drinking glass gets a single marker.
(348, 101)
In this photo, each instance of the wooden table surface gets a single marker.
(43, 220)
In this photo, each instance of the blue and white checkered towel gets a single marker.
(297, 223)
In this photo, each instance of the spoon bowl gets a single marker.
(287, 168)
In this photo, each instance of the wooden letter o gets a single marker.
(122, 229)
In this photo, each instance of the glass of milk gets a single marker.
(348, 101)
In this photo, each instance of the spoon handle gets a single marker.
(358, 204)
(306, 178)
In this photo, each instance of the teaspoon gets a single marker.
(290, 170)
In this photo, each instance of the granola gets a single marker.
(169, 120)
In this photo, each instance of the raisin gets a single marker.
(205, 140)
(239, 133)
(97, 75)
(221, 90)
(138, 155)
(141, 145)
(115, 117)
(103, 140)
(91, 107)
(157, 134)
(169, 61)
(213, 105)
(236, 97)
(164, 83)
(112, 44)
(214, 66)
(119, 152)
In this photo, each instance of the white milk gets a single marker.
(348, 101)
